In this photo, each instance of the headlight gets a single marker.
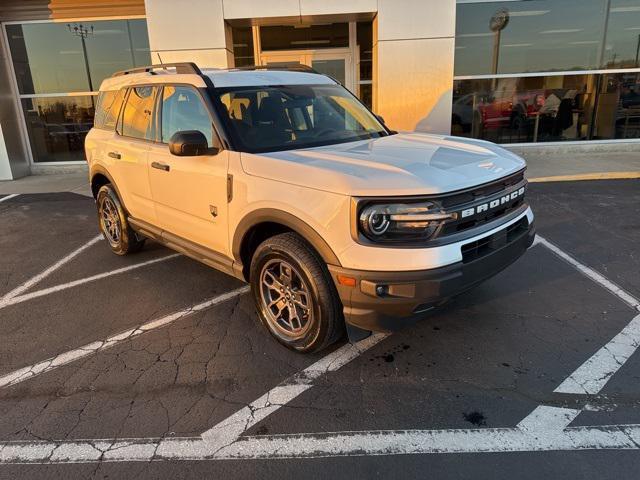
(401, 222)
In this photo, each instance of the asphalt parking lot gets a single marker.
(153, 365)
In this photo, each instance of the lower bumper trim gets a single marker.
(387, 301)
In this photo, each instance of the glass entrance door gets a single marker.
(336, 63)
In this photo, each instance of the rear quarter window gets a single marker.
(108, 108)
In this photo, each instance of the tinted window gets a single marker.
(531, 36)
(182, 109)
(136, 121)
(51, 57)
(289, 37)
(108, 108)
(57, 126)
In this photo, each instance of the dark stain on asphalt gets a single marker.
(390, 355)
(475, 418)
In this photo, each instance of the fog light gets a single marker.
(381, 290)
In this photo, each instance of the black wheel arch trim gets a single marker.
(99, 170)
(265, 215)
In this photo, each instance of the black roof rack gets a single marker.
(181, 67)
(299, 67)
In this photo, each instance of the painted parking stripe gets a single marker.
(591, 377)
(230, 429)
(65, 358)
(592, 274)
(75, 283)
(37, 278)
(9, 197)
(546, 437)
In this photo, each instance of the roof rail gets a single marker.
(181, 67)
(293, 68)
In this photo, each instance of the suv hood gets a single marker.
(401, 164)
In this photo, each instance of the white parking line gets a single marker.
(547, 436)
(75, 283)
(592, 274)
(39, 368)
(593, 375)
(230, 429)
(9, 197)
(33, 280)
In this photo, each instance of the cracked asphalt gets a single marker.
(487, 359)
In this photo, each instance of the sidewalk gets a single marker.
(76, 182)
(582, 166)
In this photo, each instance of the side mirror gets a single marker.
(188, 143)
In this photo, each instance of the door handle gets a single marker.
(115, 155)
(161, 166)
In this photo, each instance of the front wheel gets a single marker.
(294, 294)
(113, 223)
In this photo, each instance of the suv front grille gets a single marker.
(478, 249)
(460, 201)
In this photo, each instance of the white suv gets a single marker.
(285, 180)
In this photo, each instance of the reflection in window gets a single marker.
(623, 35)
(182, 109)
(364, 35)
(243, 46)
(48, 58)
(109, 104)
(57, 127)
(136, 119)
(532, 36)
(287, 37)
(548, 109)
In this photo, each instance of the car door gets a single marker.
(189, 193)
(129, 152)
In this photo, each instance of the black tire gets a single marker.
(324, 322)
(112, 219)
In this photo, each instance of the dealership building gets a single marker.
(514, 72)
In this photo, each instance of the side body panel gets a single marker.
(191, 197)
(129, 172)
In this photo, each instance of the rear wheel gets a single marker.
(113, 223)
(294, 294)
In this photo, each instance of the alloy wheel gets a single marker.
(286, 299)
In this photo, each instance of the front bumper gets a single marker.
(386, 301)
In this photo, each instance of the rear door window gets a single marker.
(137, 119)
(108, 108)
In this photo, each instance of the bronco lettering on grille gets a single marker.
(485, 207)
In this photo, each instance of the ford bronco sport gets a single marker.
(283, 179)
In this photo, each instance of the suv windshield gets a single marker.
(265, 119)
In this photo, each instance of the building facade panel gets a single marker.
(414, 84)
(407, 19)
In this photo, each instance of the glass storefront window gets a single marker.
(289, 37)
(51, 59)
(57, 126)
(364, 34)
(243, 46)
(48, 58)
(622, 45)
(548, 109)
(529, 36)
